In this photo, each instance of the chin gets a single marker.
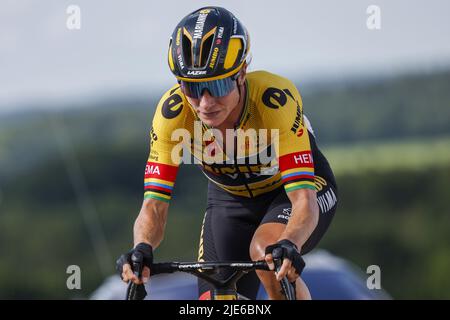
(212, 122)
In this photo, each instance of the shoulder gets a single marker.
(263, 80)
(172, 111)
(276, 97)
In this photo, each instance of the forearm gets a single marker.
(150, 224)
(303, 220)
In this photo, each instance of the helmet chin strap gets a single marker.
(239, 90)
(240, 95)
(238, 85)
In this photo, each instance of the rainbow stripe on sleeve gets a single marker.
(159, 181)
(297, 171)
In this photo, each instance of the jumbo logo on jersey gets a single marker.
(172, 106)
(298, 121)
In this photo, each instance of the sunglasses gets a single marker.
(216, 88)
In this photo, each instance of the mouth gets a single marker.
(210, 114)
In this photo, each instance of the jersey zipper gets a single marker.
(240, 174)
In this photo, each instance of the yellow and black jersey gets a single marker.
(281, 150)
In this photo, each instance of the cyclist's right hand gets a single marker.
(134, 265)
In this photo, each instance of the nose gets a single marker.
(207, 100)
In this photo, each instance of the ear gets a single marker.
(242, 74)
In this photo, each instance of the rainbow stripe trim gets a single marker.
(297, 171)
(159, 181)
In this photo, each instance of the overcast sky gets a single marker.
(122, 45)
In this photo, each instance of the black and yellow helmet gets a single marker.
(208, 44)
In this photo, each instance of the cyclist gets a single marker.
(254, 205)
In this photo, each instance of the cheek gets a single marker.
(230, 102)
(193, 102)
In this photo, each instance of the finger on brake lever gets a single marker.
(136, 291)
(136, 259)
(277, 255)
(287, 288)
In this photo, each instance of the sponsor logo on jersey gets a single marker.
(303, 158)
(327, 201)
(286, 214)
(320, 183)
(172, 106)
(232, 171)
(160, 171)
(270, 171)
(298, 121)
(274, 98)
(153, 136)
(152, 169)
(242, 146)
(154, 155)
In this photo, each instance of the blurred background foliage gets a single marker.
(388, 140)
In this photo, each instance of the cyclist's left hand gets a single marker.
(293, 263)
(141, 257)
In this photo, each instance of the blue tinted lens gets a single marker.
(216, 88)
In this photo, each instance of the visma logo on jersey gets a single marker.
(242, 146)
(152, 170)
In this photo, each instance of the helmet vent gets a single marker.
(206, 50)
(187, 50)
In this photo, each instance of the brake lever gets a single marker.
(288, 288)
(136, 291)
